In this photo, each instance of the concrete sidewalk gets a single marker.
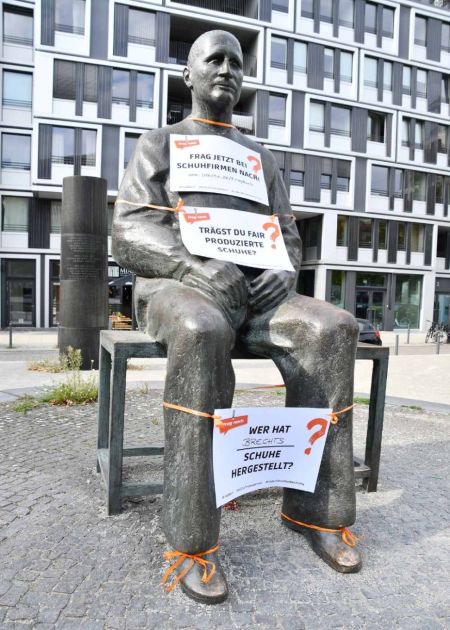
(417, 378)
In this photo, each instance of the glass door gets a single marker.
(370, 305)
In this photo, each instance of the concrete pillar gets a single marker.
(84, 266)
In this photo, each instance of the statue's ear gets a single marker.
(187, 77)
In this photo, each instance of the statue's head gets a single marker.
(214, 70)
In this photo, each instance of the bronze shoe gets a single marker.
(331, 548)
(213, 592)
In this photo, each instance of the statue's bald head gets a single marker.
(209, 37)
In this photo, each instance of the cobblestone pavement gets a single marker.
(64, 564)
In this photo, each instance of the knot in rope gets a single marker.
(179, 557)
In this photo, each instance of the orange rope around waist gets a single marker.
(178, 207)
(179, 557)
(347, 536)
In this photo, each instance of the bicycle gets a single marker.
(437, 332)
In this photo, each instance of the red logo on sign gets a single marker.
(231, 423)
(193, 217)
(182, 144)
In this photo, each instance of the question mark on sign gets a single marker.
(317, 422)
(275, 234)
(257, 166)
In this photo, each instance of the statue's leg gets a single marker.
(200, 377)
(313, 345)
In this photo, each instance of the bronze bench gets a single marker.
(116, 347)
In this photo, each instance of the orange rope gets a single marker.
(211, 122)
(334, 415)
(346, 535)
(180, 557)
(193, 412)
(178, 208)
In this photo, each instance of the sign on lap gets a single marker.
(255, 448)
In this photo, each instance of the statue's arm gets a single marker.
(144, 239)
(272, 287)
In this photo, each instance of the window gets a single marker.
(343, 176)
(420, 186)
(340, 120)
(346, 67)
(90, 90)
(307, 9)
(280, 5)
(17, 89)
(326, 11)
(141, 27)
(444, 89)
(387, 29)
(278, 53)
(421, 84)
(445, 37)
(376, 123)
(15, 214)
(370, 72)
(69, 16)
(379, 185)
(420, 31)
(88, 146)
(130, 142)
(297, 170)
(382, 234)
(442, 139)
(300, 50)
(55, 217)
(109, 220)
(346, 13)
(342, 230)
(144, 88)
(277, 110)
(328, 62)
(401, 236)
(64, 82)
(370, 18)
(325, 177)
(387, 75)
(16, 151)
(337, 296)
(398, 183)
(63, 145)
(405, 132)
(17, 26)
(317, 117)
(440, 189)
(417, 232)
(365, 233)
(121, 87)
(406, 80)
(418, 135)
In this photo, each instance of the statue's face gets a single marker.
(215, 73)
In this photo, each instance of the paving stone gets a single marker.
(66, 565)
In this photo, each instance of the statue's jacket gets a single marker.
(147, 241)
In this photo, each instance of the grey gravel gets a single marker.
(65, 564)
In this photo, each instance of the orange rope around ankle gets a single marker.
(180, 557)
(347, 536)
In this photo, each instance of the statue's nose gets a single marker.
(225, 67)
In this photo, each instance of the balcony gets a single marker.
(232, 7)
(184, 31)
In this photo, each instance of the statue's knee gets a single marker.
(207, 328)
(340, 324)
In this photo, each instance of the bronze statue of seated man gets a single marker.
(200, 309)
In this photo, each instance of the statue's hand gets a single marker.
(269, 289)
(223, 281)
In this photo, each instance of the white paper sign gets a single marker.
(267, 447)
(216, 164)
(245, 238)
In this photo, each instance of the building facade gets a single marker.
(352, 97)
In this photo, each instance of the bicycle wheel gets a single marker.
(427, 336)
(439, 335)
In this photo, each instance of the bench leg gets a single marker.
(116, 418)
(375, 424)
(103, 400)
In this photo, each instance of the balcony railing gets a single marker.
(179, 51)
(234, 7)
